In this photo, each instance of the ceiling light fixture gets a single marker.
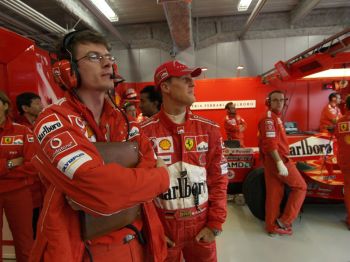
(240, 67)
(106, 10)
(204, 68)
(341, 72)
(243, 5)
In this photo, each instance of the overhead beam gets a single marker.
(252, 17)
(105, 22)
(25, 29)
(79, 11)
(178, 15)
(302, 9)
(34, 16)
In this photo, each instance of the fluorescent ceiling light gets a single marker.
(106, 10)
(342, 72)
(243, 5)
(240, 67)
(204, 68)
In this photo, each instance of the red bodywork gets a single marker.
(315, 157)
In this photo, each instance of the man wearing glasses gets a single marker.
(280, 170)
(77, 177)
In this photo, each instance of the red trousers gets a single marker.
(18, 209)
(275, 190)
(346, 173)
(183, 232)
(132, 251)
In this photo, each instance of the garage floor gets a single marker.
(319, 236)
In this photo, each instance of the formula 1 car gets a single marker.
(315, 159)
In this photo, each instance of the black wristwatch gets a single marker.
(9, 164)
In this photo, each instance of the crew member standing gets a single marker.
(29, 106)
(150, 101)
(330, 113)
(234, 124)
(194, 208)
(280, 170)
(75, 173)
(16, 176)
(342, 133)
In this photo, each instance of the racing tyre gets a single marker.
(254, 192)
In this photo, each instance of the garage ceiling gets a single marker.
(175, 24)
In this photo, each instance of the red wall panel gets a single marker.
(306, 100)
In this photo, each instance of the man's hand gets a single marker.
(17, 161)
(282, 169)
(169, 242)
(205, 235)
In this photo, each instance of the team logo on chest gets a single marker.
(344, 127)
(12, 140)
(189, 143)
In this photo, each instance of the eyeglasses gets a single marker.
(97, 57)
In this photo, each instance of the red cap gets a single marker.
(174, 68)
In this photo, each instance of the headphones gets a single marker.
(65, 71)
(268, 98)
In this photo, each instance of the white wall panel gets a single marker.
(227, 59)
(315, 39)
(150, 59)
(296, 45)
(206, 57)
(250, 56)
(273, 50)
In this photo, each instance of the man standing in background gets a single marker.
(342, 133)
(29, 106)
(280, 170)
(234, 124)
(330, 113)
(150, 101)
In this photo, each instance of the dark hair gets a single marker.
(331, 96)
(228, 104)
(67, 47)
(25, 99)
(5, 100)
(154, 95)
(274, 92)
(347, 102)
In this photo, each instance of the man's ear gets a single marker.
(25, 108)
(165, 87)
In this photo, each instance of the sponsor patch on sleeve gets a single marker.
(69, 164)
(46, 126)
(224, 169)
(59, 144)
(134, 132)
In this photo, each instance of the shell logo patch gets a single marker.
(165, 144)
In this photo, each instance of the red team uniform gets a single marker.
(196, 197)
(73, 167)
(233, 127)
(15, 195)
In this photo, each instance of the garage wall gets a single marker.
(221, 59)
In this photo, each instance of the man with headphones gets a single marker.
(342, 133)
(330, 113)
(234, 124)
(280, 170)
(75, 173)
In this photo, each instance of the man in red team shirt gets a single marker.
(342, 133)
(330, 113)
(280, 170)
(75, 173)
(234, 124)
(29, 106)
(194, 207)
